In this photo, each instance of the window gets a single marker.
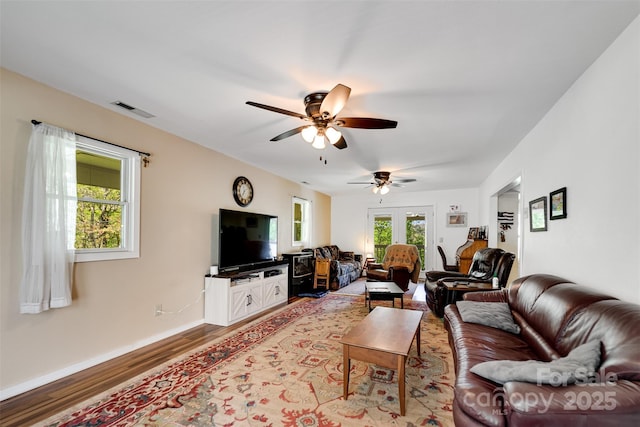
(301, 230)
(108, 214)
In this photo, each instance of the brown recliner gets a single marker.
(486, 264)
(400, 265)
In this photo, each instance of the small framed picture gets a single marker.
(558, 204)
(474, 232)
(538, 214)
(457, 219)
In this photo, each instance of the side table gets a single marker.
(367, 261)
(457, 288)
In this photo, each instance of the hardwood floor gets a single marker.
(43, 402)
(38, 404)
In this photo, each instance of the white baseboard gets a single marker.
(69, 370)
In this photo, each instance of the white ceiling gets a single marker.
(466, 80)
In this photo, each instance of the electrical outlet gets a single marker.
(158, 311)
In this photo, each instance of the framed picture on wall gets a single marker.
(457, 219)
(474, 232)
(538, 214)
(558, 204)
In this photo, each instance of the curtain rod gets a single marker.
(36, 122)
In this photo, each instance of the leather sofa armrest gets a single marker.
(602, 399)
(434, 275)
(487, 296)
(374, 266)
(401, 276)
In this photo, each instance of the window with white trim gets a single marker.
(108, 214)
(301, 224)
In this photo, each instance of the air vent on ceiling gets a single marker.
(134, 110)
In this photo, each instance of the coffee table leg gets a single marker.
(346, 366)
(418, 341)
(401, 363)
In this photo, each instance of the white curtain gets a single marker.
(48, 219)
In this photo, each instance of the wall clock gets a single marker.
(242, 191)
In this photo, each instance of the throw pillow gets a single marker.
(347, 256)
(579, 364)
(494, 314)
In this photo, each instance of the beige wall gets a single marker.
(114, 301)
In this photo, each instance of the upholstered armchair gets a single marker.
(401, 264)
(486, 264)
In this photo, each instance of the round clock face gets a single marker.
(242, 191)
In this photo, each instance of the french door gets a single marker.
(410, 224)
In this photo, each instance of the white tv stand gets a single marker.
(230, 298)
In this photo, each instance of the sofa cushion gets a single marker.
(615, 323)
(581, 362)
(494, 314)
(546, 302)
(347, 256)
(471, 344)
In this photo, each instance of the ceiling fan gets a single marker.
(321, 109)
(382, 182)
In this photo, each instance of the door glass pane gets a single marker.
(382, 235)
(416, 228)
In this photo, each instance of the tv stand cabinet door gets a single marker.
(244, 301)
(275, 290)
(238, 303)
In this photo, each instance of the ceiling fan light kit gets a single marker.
(382, 182)
(332, 135)
(381, 188)
(318, 142)
(309, 133)
(321, 109)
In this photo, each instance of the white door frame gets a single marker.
(398, 215)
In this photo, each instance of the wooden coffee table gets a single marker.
(383, 291)
(383, 338)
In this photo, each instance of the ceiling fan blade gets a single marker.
(335, 101)
(365, 123)
(368, 183)
(288, 133)
(405, 180)
(277, 110)
(341, 144)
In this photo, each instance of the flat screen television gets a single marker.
(246, 240)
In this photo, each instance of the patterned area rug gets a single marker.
(284, 369)
(357, 288)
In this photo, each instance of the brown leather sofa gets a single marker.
(555, 316)
(486, 264)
